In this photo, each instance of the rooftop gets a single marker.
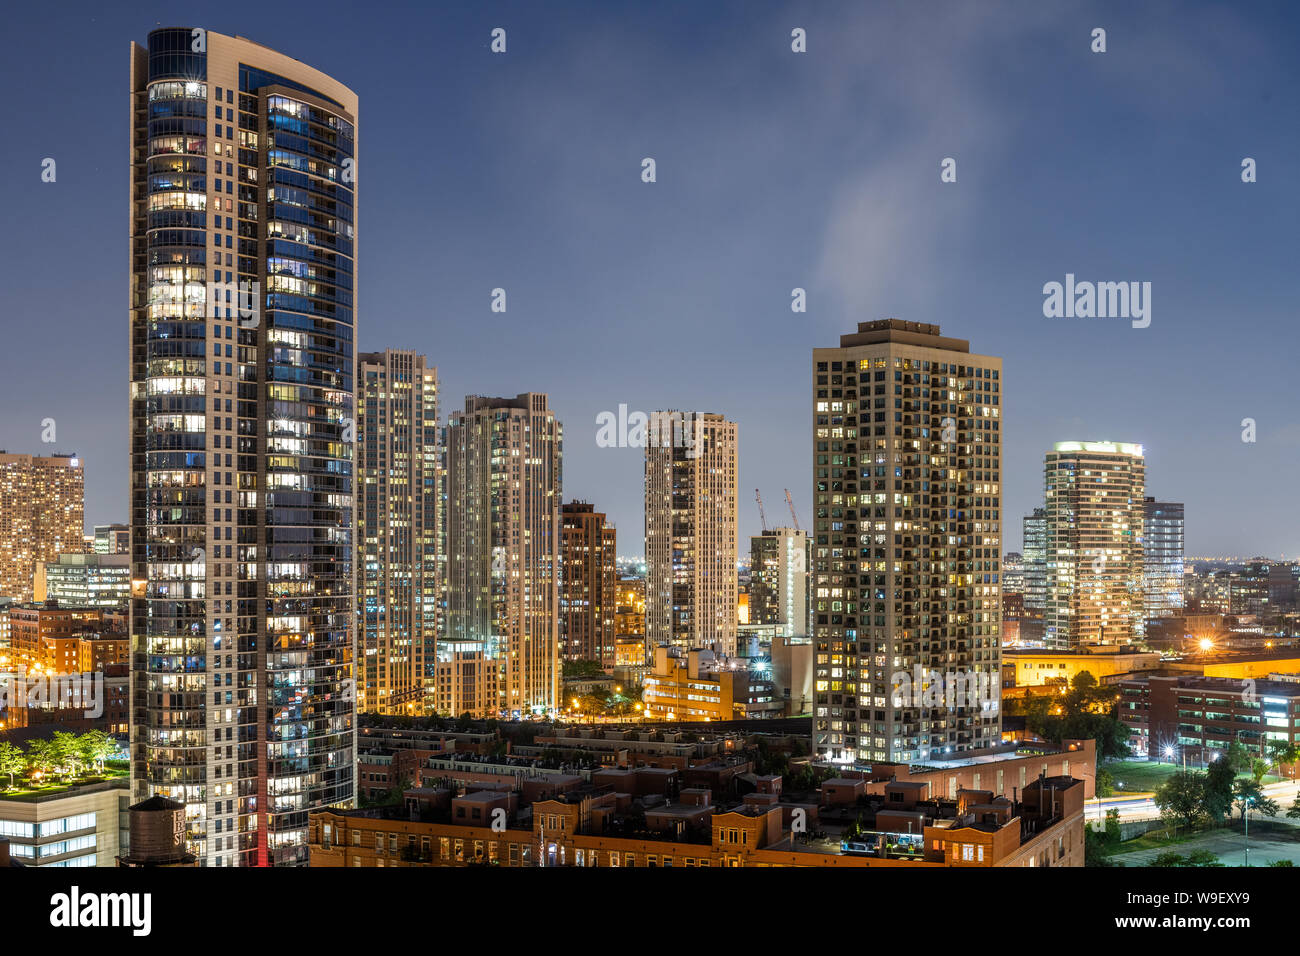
(905, 333)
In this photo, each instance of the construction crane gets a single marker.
(761, 516)
(793, 516)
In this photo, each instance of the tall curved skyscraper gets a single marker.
(242, 306)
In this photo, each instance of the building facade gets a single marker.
(1162, 555)
(588, 585)
(779, 580)
(1199, 717)
(89, 580)
(588, 829)
(907, 472)
(504, 481)
(1094, 504)
(112, 539)
(629, 619)
(400, 564)
(82, 825)
(42, 515)
(691, 517)
(242, 331)
(1034, 575)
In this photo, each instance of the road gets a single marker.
(1143, 807)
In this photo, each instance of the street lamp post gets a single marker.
(1246, 814)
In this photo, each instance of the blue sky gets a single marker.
(775, 170)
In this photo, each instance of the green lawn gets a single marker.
(1139, 776)
(1143, 776)
(24, 789)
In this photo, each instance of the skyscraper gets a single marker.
(242, 319)
(1162, 554)
(1034, 555)
(42, 515)
(778, 591)
(399, 553)
(691, 516)
(907, 462)
(1094, 504)
(588, 601)
(504, 480)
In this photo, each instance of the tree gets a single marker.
(1237, 757)
(1104, 783)
(1085, 710)
(1181, 798)
(1195, 858)
(1294, 812)
(1219, 779)
(1247, 795)
(1096, 852)
(97, 747)
(583, 668)
(67, 752)
(1258, 768)
(1283, 752)
(40, 756)
(1113, 832)
(13, 761)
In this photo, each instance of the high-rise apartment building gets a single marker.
(1162, 555)
(691, 518)
(1013, 573)
(588, 585)
(1094, 503)
(504, 480)
(399, 552)
(907, 473)
(779, 562)
(1034, 564)
(243, 324)
(629, 619)
(42, 515)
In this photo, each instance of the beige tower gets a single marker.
(691, 516)
(503, 554)
(42, 515)
(399, 554)
(1095, 507)
(907, 534)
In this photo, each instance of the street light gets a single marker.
(1247, 802)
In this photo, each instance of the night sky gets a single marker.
(775, 170)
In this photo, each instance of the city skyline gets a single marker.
(556, 213)
(993, 294)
